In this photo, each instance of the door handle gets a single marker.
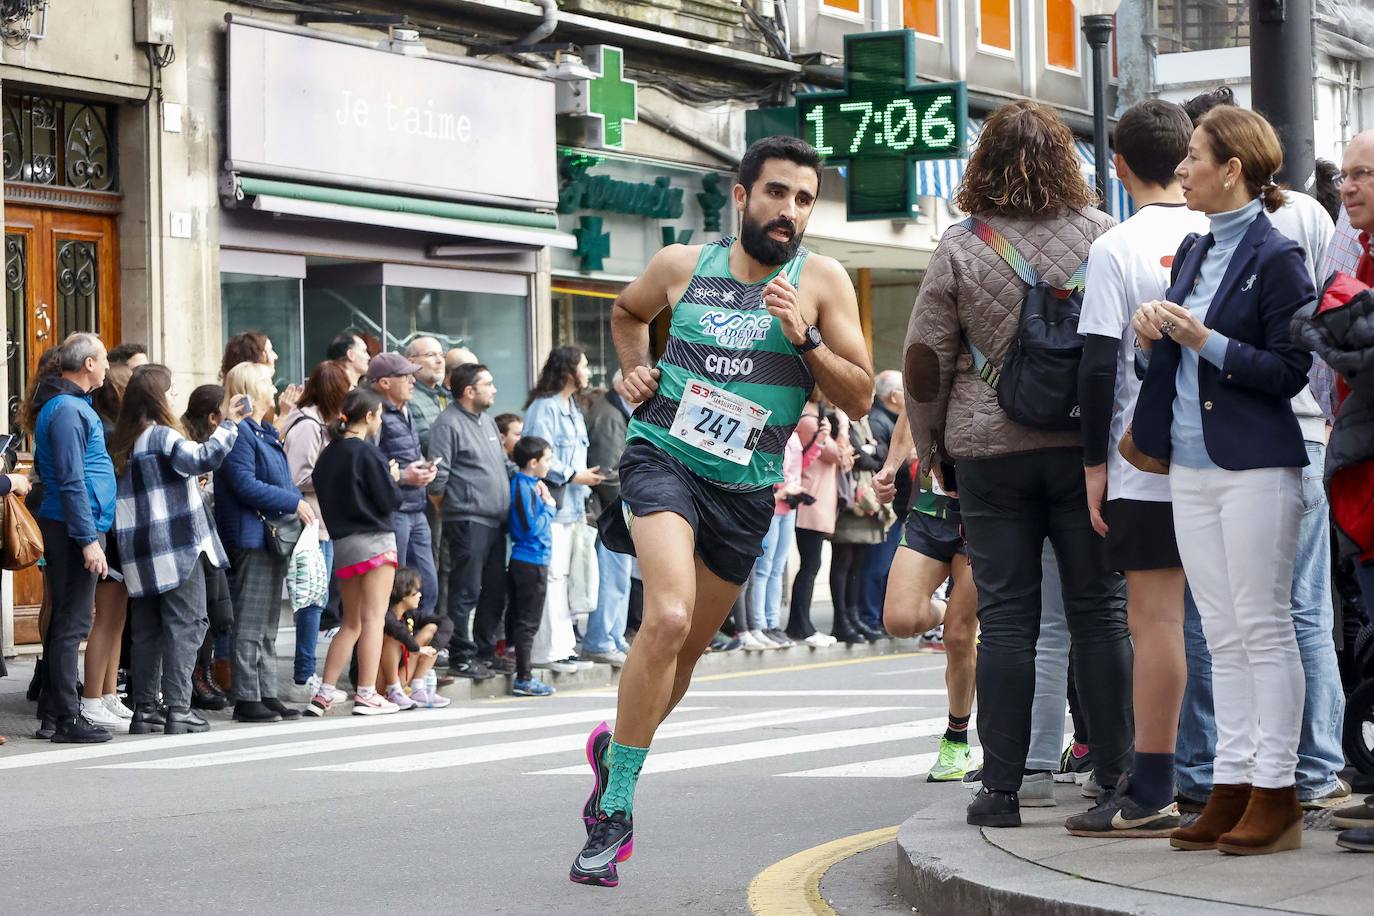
(41, 314)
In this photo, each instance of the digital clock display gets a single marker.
(883, 121)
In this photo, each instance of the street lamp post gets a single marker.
(1097, 26)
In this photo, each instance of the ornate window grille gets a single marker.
(59, 142)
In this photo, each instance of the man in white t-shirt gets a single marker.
(1130, 264)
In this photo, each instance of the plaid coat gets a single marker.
(162, 524)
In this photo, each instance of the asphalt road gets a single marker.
(474, 809)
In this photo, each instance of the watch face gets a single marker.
(813, 336)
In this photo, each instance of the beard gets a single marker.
(765, 249)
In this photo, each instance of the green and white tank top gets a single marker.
(732, 387)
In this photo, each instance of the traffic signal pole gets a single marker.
(1281, 75)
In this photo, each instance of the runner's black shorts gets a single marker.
(730, 525)
(937, 538)
(1140, 535)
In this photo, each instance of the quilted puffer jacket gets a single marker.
(1339, 327)
(969, 292)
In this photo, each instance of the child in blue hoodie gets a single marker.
(531, 513)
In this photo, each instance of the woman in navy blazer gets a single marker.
(1215, 405)
(253, 484)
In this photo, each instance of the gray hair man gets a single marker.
(429, 398)
(76, 512)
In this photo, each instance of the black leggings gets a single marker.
(846, 561)
(809, 544)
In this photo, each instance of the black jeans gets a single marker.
(529, 584)
(1010, 505)
(809, 545)
(476, 582)
(71, 591)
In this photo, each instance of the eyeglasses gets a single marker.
(1359, 176)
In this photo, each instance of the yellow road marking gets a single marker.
(792, 887)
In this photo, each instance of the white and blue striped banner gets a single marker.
(941, 177)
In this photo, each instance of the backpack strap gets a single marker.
(1005, 249)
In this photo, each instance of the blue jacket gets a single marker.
(399, 439)
(69, 451)
(253, 483)
(531, 535)
(1247, 420)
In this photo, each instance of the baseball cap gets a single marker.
(386, 365)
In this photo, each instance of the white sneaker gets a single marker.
(580, 664)
(562, 667)
(375, 705)
(764, 639)
(303, 693)
(96, 714)
(615, 658)
(112, 703)
(817, 640)
(751, 643)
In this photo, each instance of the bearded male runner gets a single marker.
(756, 322)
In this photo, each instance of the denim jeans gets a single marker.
(873, 577)
(415, 548)
(308, 627)
(1051, 670)
(1320, 756)
(765, 588)
(606, 624)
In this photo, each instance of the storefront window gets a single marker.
(271, 305)
(582, 316)
(331, 309)
(494, 326)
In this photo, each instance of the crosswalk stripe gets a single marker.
(126, 745)
(356, 742)
(469, 756)
(883, 768)
(674, 761)
(857, 692)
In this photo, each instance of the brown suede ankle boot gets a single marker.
(1224, 810)
(1272, 823)
(223, 673)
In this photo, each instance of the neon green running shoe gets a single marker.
(956, 759)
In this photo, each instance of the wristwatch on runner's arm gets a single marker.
(812, 341)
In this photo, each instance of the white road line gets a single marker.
(902, 672)
(393, 739)
(903, 767)
(125, 745)
(795, 744)
(742, 694)
(561, 744)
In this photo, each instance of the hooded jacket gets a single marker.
(73, 463)
(1339, 327)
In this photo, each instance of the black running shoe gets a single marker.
(1360, 839)
(1123, 816)
(597, 743)
(610, 841)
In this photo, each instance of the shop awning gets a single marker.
(454, 220)
(940, 178)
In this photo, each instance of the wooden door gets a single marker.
(61, 269)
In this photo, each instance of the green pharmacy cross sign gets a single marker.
(612, 99)
(883, 122)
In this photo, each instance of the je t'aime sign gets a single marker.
(312, 109)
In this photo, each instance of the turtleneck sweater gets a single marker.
(1189, 447)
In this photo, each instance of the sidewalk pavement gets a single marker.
(947, 867)
(17, 713)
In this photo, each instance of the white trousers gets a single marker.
(555, 640)
(1238, 536)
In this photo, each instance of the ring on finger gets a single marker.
(1167, 327)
